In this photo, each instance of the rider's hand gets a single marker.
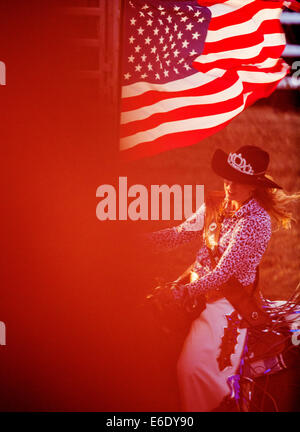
(165, 294)
(179, 292)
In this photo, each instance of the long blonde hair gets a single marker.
(276, 202)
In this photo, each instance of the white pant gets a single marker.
(201, 383)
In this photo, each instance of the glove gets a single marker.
(164, 294)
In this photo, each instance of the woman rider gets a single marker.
(234, 228)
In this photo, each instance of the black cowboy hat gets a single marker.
(247, 165)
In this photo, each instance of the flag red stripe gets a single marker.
(241, 15)
(194, 111)
(242, 41)
(233, 63)
(152, 97)
(171, 141)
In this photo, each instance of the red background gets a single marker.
(75, 340)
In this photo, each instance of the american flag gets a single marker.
(189, 68)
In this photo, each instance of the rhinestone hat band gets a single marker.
(237, 162)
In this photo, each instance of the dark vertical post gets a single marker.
(119, 92)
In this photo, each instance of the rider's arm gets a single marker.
(169, 238)
(246, 248)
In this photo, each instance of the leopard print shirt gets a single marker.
(170, 238)
(242, 242)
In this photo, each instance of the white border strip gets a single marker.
(290, 18)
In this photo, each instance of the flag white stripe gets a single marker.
(270, 40)
(244, 28)
(174, 103)
(268, 63)
(261, 77)
(223, 9)
(190, 124)
(190, 82)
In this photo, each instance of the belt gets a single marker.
(247, 304)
